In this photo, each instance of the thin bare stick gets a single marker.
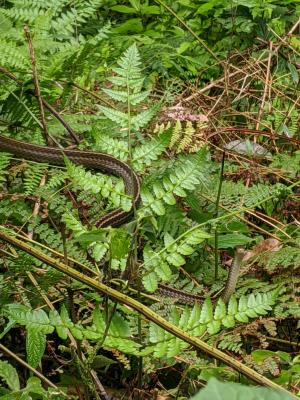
(24, 363)
(62, 121)
(36, 83)
(265, 92)
(237, 71)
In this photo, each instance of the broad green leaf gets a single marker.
(213, 327)
(136, 4)
(206, 312)
(175, 259)
(259, 356)
(150, 10)
(34, 386)
(120, 242)
(204, 8)
(163, 271)
(35, 346)
(133, 25)
(119, 326)
(231, 240)
(150, 282)
(9, 375)
(92, 236)
(234, 391)
(158, 207)
(124, 9)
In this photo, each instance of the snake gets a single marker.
(89, 159)
(116, 167)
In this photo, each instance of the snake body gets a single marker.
(112, 165)
(89, 159)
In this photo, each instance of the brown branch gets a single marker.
(267, 85)
(36, 84)
(45, 103)
(238, 71)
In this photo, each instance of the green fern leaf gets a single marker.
(117, 95)
(32, 178)
(142, 119)
(4, 163)
(10, 376)
(116, 116)
(35, 346)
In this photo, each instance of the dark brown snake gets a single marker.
(111, 165)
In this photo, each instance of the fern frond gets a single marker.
(187, 137)
(206, 318)
(57, 179)
(232, 342)
(159, 264)
(177, 132)
(116, 147)
(12, 56)
(142, 119)
(32, 177)
(185, 176)
(4, 163)
(99, 183)
(119, 117)
(144, 155)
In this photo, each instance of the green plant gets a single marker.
(113, 107)
(236, 391)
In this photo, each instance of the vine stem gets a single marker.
(142, 309)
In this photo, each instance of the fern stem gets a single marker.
(144, 310)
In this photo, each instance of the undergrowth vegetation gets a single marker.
(201, 100)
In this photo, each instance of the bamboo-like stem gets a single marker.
(142, 309)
